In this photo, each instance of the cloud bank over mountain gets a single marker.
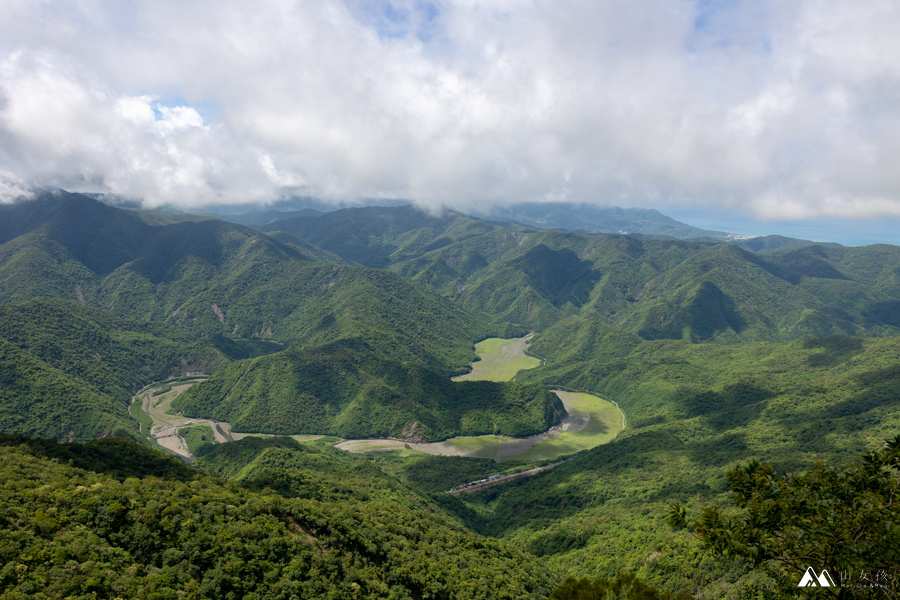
(781, 109)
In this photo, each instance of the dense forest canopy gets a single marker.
(733, 363)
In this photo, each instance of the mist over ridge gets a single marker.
(770, 113)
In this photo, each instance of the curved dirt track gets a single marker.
(165, 426)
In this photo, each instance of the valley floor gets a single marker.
(592, 421)
(500, 360)
(155, 399)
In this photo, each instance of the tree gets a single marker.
(844, 519)
(625, 586)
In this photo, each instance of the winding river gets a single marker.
(592, 420)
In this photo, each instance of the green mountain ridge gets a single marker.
(587, 218)
(656, 288)
(68, 371)
(694, 411)
(211, 277)
(344, 389)
(717, 355)
(635, 222)
(377, 237)
(264, 217)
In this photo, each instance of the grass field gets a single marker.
(481, 446)
(500, 360)
(199, 438)
(138, 414)
(606, 421)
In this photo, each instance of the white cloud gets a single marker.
(12, 188)
(66, 128)
(137, 110)
(787, 109)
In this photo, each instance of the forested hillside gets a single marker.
(210, 277)
(349, 325)
(658, 289)
(68, 371)
(74, 533)
(346, 390)
(588, 218)
(695, 411)
(375, 236)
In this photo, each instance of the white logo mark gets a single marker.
(810, 579)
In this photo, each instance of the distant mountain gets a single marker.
(590, 218)
(776, 243)
(377, 236)
(211, 277)
(320, 255)
(657, 288)
(284, 205)
(636, 222)
(264, 217)
(669, 289)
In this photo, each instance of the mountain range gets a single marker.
(350, 323)
(703, 291)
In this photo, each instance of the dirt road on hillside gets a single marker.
(477, 486)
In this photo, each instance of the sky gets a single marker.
(764, 114)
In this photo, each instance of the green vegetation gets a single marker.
(376, 237)
(69, 371)
(816, 394)
(342, 390)
(71, 533)
(658, 289)
(588, 218)
(606, 421)
(500, 360)
(238, 349)
(239, 460)
(626, 586)
(111, 354)
(844, 519)
(694, 412)
(200, 438)
(138, 414)
(39, 400)
(434, 474)
(116, 457)
(217, 278)
(224, 281)
(719, 356)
